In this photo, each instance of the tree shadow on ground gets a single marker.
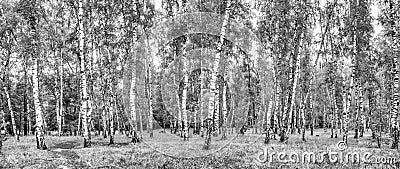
(68, 154)
(65, 150)
(66, 145)
(101, 143)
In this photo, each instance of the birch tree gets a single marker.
(60, 100)
(389, 18)
(224, 112)
(214, 73)
(10, 109)
(150, 101)
(185, 89)
(85, 102)
(132, 103)
(29, 12)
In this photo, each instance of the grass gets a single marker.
(165, 150)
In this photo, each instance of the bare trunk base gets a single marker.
(356, 133)
(379, 142)
(1, 142)
(283, 136)
(104, 134)
(40, 144)
(135, 137)
(208, 136)
(312, 131)
(395, 144)
(293, 129)
(87, 142)
(267, 136)
(185, 135)
(224, 133)
(111, 139)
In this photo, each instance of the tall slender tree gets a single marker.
(185, 89)
(214, 73)
(30, 13)
(85, 102)
(10, 109)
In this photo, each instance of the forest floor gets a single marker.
(165, 150)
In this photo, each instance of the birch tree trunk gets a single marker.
(312, 114)
(358, 111)
(287, 115)
(104, 84)
(185, 91)
(263, 105)
(268, 125)
(58, 113)
(395, 104)
(335, 111)
(336, 101)
(293, 100)
(79, 119)
(150, 101)
(26, 102)
(179, 110)
(303, 116)
(201, 102)
(85, 103)
(111, 119)
(141, 124)
(214, 72)
(3, 120)
(216, 114)
(232, 113)
(132, 103)
(38, 109)
(350, 91)
(194, 117)
(104, 120)
(185, 114)
(224, 113)
(13, 124)
(23, 120)
(376, 122)
(275, 111)
(332, 114)
(117, 119)
(32, 20)
(394, 44)
(361, 114)
(60, 101)
(293, 80)
(29, 119)
(347, 103)
(324, 118)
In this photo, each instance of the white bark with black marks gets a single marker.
(214, 72)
